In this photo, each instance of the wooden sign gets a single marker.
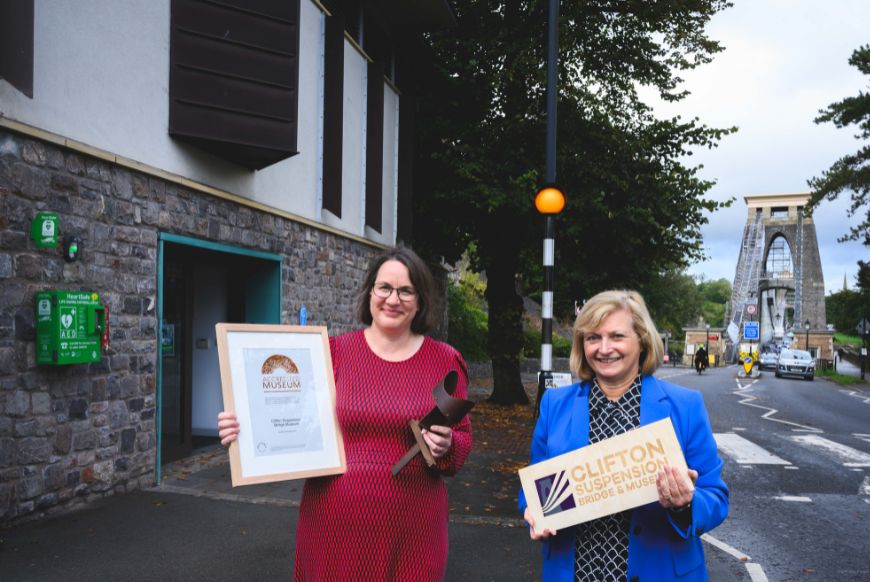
(602, 478)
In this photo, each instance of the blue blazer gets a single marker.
(658, 548)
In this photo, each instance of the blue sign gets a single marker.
(750, 330)
(303, 315)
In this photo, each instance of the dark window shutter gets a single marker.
(16, 44)
(375, 145)
(234, 75)
(333, 113)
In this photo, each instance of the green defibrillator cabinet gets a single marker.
(69, 327)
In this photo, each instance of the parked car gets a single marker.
(796, 363)
(767, 361)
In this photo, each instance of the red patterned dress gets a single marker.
(367, 525)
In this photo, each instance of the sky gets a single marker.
(784, 60)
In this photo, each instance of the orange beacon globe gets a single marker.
(550, 200)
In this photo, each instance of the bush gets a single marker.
(467, 320)
(532, 345)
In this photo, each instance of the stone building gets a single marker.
(713, 340)
(778, 281)
(214, 161)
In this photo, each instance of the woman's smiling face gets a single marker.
(392, 314)
(613, 349)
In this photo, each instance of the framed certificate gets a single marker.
(278, 381)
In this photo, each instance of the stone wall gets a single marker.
(69, 434)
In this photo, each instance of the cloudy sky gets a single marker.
(784, 60)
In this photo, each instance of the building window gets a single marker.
(233, 81)
(16, 44)
(779, 212)
(779, 265)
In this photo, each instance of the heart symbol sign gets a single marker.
(66, 319)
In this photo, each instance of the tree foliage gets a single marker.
(851, 173)
(674, 300)
(466, 327)
(634, 209)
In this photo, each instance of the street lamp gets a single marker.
(707, 349)
(807, 340)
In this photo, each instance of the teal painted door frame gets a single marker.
(263, 292)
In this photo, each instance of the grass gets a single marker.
(845, 339)
(839, 378)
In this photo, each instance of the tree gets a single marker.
(634, 210)
(852, 172)
(674, 299)
(716, 296)
(845, 309)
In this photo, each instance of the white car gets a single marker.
(767, 361)
(796, 363)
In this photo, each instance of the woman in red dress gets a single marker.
(367, 524)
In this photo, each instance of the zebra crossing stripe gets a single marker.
(848, 456)
(864, 488)
(744, 451)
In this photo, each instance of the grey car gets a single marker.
(767, 360)
(796, 363)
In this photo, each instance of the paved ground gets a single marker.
(195, 526)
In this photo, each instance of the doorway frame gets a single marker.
(162, 239)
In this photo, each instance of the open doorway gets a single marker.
(202, 284)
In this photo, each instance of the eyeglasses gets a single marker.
(383, 290)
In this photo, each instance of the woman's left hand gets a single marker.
(675, 488)
(439, 439)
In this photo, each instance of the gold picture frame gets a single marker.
(278, 381)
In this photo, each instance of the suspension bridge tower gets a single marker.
(779, 274)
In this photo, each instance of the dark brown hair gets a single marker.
(428, 305)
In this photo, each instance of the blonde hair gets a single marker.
(597, 310)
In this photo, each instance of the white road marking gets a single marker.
(725, 547)
(747, 401)
(847, 455)
(856, 394)
(744, 451)
(737, 428)
(756, 572)
(862, 436)
(791, 467)
(864, 488)
(793, 498)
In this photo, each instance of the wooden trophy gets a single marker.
(448, 411)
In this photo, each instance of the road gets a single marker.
(797, 456)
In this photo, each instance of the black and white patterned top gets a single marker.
(601, 546)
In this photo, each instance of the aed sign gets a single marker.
(69, 325)
(43, 230)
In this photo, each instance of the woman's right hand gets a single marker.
(228, 427)
(532, 534)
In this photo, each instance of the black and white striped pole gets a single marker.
(549, 201)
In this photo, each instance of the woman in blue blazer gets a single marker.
(616, 350)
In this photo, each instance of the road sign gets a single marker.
(863, 327)
(750, 309)
(750, 330)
